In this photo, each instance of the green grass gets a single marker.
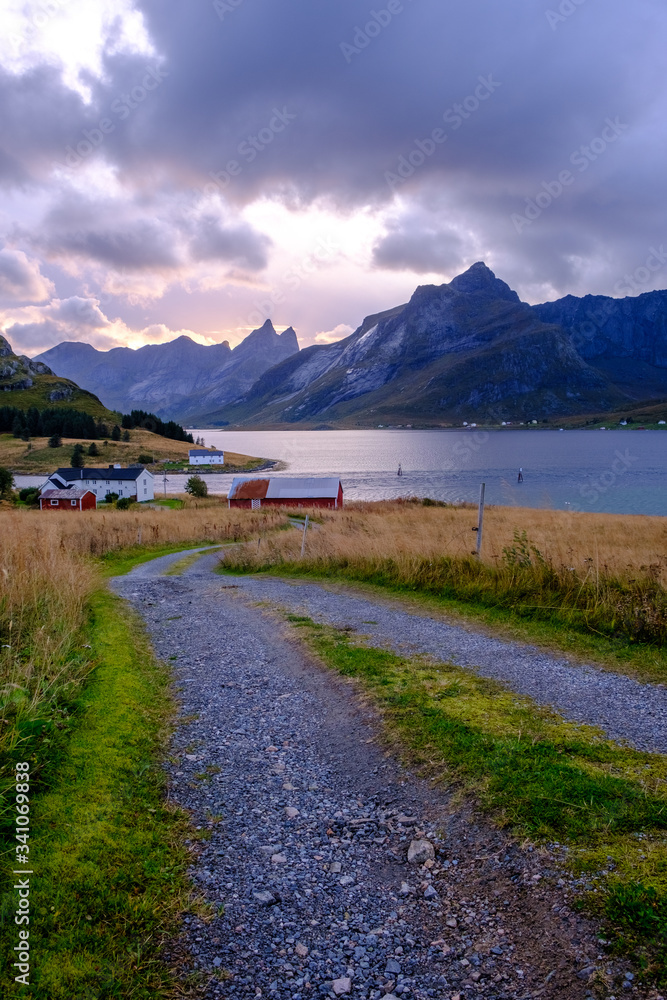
(172, 504)
(111, 869)
(39, 395)
(534, 773)
(120, 562)
(179, 567)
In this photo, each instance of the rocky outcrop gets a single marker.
(16, 371)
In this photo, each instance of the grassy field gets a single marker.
(108, 848)
(590, 584)
(40, 459)
(84, 701)
(535, 774)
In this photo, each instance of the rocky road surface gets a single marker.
(334, 871)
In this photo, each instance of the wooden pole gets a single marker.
(480, 522)
(305, 529)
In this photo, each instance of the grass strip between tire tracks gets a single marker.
(645, 662)
(106, 847)
(551, 780)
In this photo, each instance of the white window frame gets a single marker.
(54, 503)
(74, 503)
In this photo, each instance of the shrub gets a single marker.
(115, 434)
(6, 482)
(145, 459)
(126, 435)
(123, 503)
(110, 497)
(196, 487)
(55, 441)
(29, 495)
(93, 450)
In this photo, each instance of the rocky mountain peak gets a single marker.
(480, 278)
(5, 348)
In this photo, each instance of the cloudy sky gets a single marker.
(197, 166)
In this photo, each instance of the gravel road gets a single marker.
(307, 821)
(623, 708)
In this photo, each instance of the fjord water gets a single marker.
(620, 471)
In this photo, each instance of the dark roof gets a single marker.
(71, 475)
(206, 451)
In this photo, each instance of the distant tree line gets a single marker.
(45, 423)
(75, 424)
(169, 429)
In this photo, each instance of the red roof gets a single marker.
(250, 489)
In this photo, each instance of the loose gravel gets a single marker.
(626, 710)
(307, 824)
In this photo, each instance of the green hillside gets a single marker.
(25, 383)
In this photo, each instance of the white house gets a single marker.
(135, 482)
(206, 456)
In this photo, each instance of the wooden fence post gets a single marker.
(305, 529)
(480, 522)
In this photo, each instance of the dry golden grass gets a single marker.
(591, 544)
(589, 574)
(47, 578)
(41, 459)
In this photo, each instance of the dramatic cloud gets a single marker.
(20, 279)
(527, 135)
(34, 329)
(419, 245)
(240, 244)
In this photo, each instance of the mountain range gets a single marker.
(466, 350)
(179, 380)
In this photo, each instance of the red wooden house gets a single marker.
(279, 492)
(73, 499)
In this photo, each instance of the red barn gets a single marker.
(256, 493)
(68, 500)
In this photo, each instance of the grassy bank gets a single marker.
(83, 700)
(47, 577)
(107, 848)
(588, 584)
(534, 773)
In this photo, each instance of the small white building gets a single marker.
(135, 482)
(206, 456)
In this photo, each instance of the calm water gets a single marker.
(623, 472)
(613, 471)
